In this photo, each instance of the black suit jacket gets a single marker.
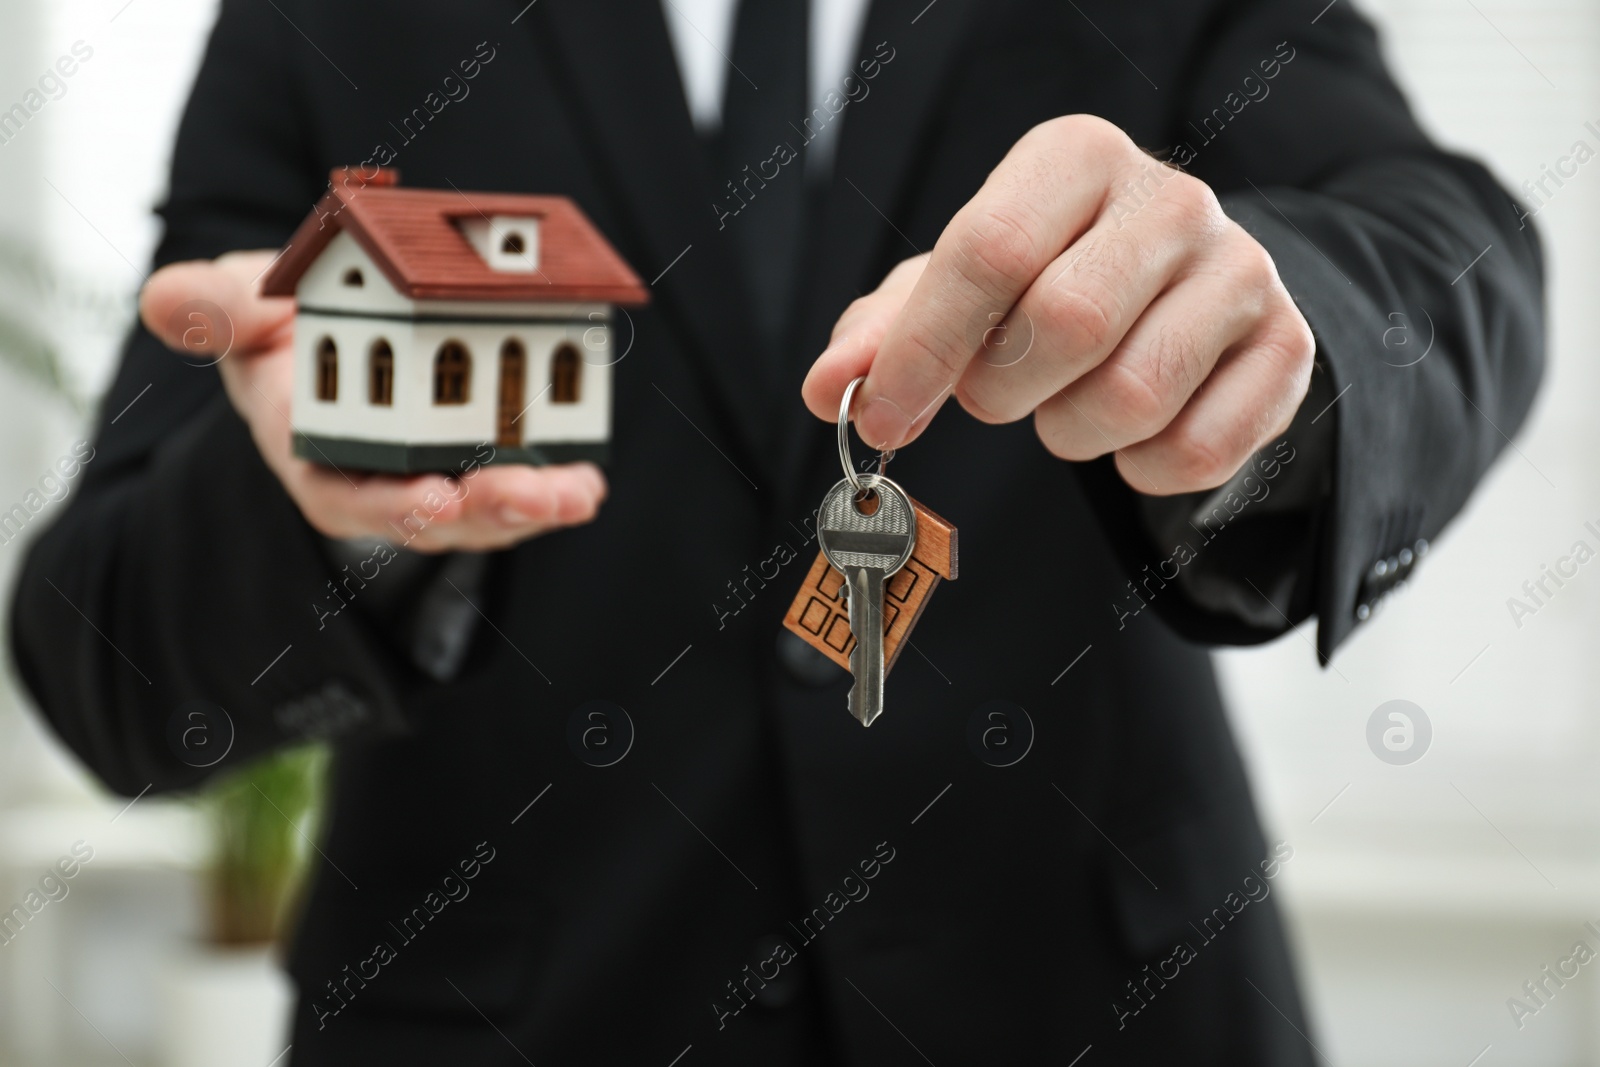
(1023, 912)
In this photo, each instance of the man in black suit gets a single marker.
(1224, 436)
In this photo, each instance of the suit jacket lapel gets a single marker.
(630, 104)
(872, 172)
(629, 101)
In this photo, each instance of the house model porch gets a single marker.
(432, 325)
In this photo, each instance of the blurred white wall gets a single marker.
(1422, 896)
(77, 185)
(1427, 894)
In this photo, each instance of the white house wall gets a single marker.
(587, 420)
(414, 417)
(356, 317)
(350, 414)
(322, 285)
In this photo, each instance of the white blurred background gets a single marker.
(1421, 897)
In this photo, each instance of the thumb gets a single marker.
(210, 308)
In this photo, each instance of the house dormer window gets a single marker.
(506, 243)
(353, 278)
(452, 374)
(327, 370)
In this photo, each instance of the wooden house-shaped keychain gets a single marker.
(431, 323)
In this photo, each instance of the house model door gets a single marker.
(513, 373)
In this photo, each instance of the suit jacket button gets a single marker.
(774, 972)
(1363, 612)
(805, 664)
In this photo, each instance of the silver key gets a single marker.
(868, 550)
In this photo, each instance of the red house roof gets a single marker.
(414, 237)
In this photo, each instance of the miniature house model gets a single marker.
(431, 324)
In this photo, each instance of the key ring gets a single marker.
(884, 457)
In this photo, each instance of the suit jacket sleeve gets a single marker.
(181, 572)
(1392, 248)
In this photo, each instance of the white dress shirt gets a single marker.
(702, 40)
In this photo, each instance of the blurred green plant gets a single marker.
(263, 816)
(36, 294)
(36, 358)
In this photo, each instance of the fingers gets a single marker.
(1217, 365)
(489, 508)
(504, 505)
(1080, 309)
(1247, 401)
(212, 308)
(1042, 196)
(537, 497)
(1099, 289)
(345, 504)
(1153, 372)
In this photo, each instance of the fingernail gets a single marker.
(882, 424)
(512, 517)
(836, 345)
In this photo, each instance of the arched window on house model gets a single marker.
(353, 278)
(452, 374)
(380, 373)
(327, 370)
(566, 369)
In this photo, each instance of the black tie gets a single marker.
(762, 183)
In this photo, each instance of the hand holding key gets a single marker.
(1137, 318)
